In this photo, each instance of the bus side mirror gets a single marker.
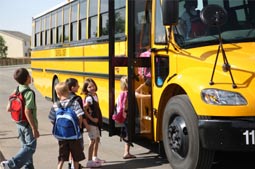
(214, 15)
(170, 10)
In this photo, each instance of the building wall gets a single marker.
(27, 48)
(16, 46)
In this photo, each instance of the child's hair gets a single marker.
(71, 82)
(124, 83)
(85, 86)
(21, 75)
(62, 89)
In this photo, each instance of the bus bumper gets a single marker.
(227, 135)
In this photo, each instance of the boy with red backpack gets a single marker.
(28, 127)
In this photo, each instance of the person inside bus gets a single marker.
(144, 74)
(190, 21)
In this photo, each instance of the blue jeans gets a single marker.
(28, 146)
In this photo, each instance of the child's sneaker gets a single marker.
(92, 164)
(98, 160)
(4, 165)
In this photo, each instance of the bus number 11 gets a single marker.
(249, 135)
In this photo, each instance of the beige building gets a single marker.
(18, 44)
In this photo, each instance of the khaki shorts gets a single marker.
(93, 132)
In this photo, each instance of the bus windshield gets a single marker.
(192, 32)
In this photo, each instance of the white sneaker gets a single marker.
(4, 165)
(92, 164)
(98, 160)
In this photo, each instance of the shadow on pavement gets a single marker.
(135, 163)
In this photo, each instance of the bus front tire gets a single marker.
(181, 136)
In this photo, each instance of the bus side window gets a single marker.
(93, 19)
(161, 69)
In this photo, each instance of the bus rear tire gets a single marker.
(181, 136)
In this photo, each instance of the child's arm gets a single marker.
(138, 93)
(80, 118)
(31, 122)
(84, 121)
(52, 115)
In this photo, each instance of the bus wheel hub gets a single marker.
(178, 136)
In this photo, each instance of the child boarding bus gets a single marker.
(199, 54)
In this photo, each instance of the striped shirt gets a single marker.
(75, 106)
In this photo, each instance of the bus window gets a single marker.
(66, 23)
(160, 33)
(59, 26)
(83, 20)
(42, 31)
(104, 18)
(93, 19)
(53, 28)
(161, 69)
(120, 16)
(74, 22)
(47, 30)
(142, 26)
(37, 32)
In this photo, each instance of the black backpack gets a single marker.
(96, 108)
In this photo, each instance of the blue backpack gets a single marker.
(66, 126)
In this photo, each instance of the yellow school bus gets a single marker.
(200, 58)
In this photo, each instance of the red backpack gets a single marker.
(17, 105)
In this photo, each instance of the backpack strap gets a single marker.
(68, 104)
(96, 108)
(24, 91)
(59, 105)
(73, 99)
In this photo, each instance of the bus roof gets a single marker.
(53, 8)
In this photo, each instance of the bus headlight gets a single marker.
(222, 97)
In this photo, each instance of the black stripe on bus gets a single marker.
(87, 74)
(37, 69)
(101, 40)
(76, 58)
(91, 74)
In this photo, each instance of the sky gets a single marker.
(16, 15)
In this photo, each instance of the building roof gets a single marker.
(17, 34)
